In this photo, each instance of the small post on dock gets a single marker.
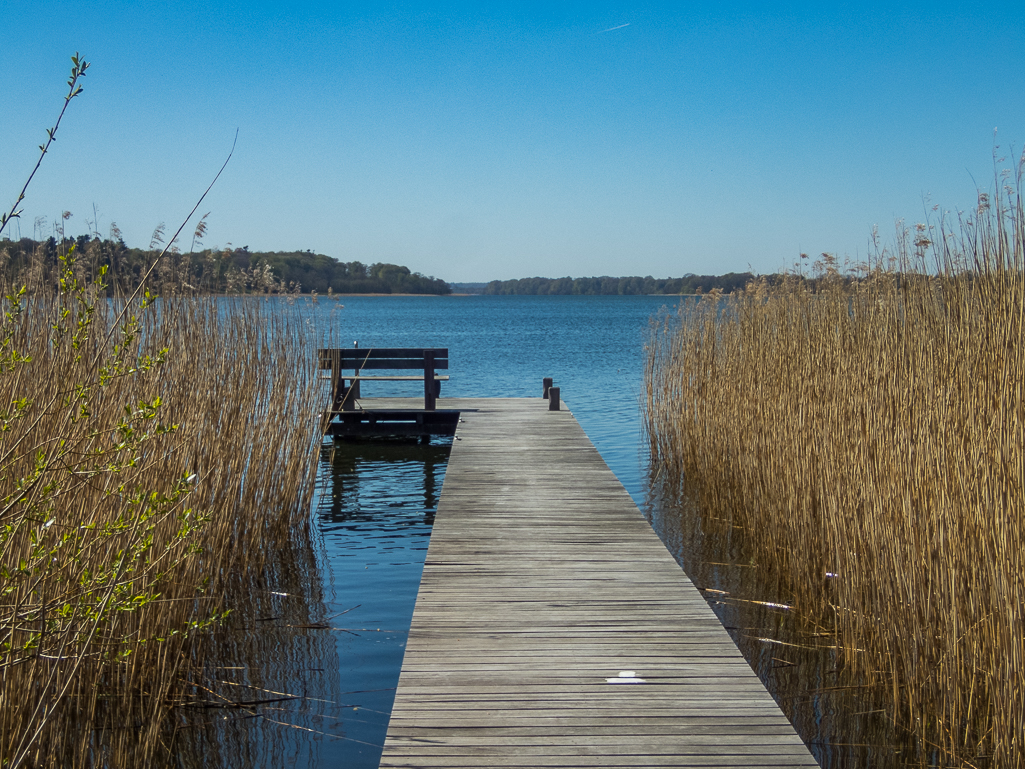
(546, 385)
(553, 398)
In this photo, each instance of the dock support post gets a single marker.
(546, 385)
(342, 398)
(430, 389)
(553, 398)
(351, 394)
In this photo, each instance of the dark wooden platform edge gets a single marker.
(380, 423)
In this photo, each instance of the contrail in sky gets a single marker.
(610, 29)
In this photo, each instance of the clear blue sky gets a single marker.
(472, 141)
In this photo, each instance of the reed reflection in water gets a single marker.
(842, 722)
(307, 677)
(268, 692)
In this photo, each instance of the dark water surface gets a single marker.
(376, 506)
(332, 629)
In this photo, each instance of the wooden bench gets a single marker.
(345, 388)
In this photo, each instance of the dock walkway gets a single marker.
(553, 628)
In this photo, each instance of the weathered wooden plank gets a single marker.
(601, 745)
(541, 729)
(512, 760)
(395, 378)
(382, 352)
(552, 628)
(495, 714)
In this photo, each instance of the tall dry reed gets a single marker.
(151, 457)
(869, 434)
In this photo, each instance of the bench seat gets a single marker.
(397, 378)
(345, 387)
(362, 378)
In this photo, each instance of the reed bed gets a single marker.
(868, 433)
(154, 456)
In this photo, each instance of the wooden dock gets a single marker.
(553, 628)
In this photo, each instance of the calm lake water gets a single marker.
(330, 633)
(503, 346)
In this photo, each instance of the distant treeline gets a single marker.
(232, 270)
(316, 272)
(629, 286)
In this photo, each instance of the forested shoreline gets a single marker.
(625, 286)
(241, 271)
(212, 271)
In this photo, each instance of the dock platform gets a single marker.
(553, 628)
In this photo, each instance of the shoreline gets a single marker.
(391, 294)
(465, 294)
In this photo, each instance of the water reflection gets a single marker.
(375, 508)
(360, 473)
(304, 674)
(268, 689)
(844, 723)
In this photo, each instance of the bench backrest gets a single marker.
(382, 358)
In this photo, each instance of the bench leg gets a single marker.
(345, 397)
(337, 383)
(430, 392)
(352, 395)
